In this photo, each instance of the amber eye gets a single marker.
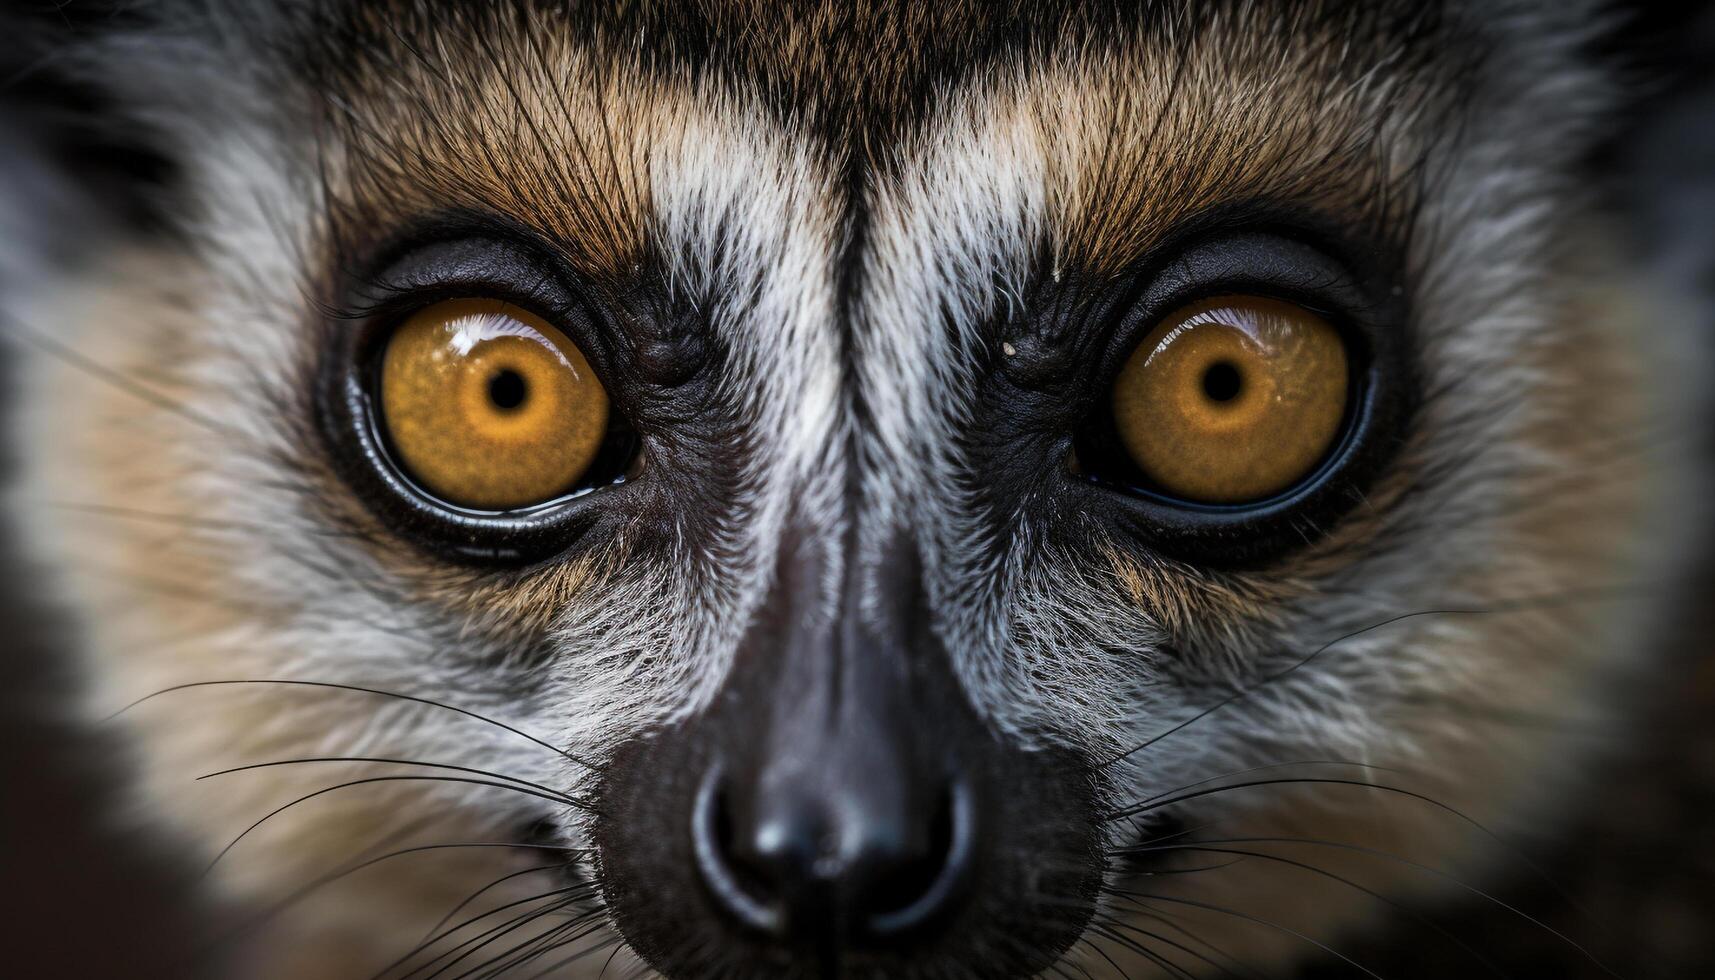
(1232, 399)
(488, 407)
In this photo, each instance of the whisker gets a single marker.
(1167, 920)
(1323, 872)
(1158, 803)
(473, 896)
(361, 690)
(559, 937)
(1177, 834)
(638, 972)
(1427, 869)
(556, 937)
(1239, 695)
(552, 798)
(1060, 971)
(605, 963)
(1511, 849)
(1064, 965)
(111, 377)
(328, 879)
(514, 926)
(561, 900)
(1115, 923)
(482, 939)
(387, 761)
(614, 941)
(1105, 931)
(1219, 910)
(472, 920)
(1099, 951)
(1254, 769)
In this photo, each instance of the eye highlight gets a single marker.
(487, 406)
(1232, 399)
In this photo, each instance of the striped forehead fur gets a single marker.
(428, 78)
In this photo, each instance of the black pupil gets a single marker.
(506, 389)
(1222, 382)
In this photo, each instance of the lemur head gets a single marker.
(864, 489)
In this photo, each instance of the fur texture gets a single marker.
(866, 220)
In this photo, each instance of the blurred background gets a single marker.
(1633, 876)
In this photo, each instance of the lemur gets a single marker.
(862, 489)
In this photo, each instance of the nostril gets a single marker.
(731, 882)
(898, 885)
(917, 889)
(816, 870)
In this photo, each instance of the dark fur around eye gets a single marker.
(1052, 394)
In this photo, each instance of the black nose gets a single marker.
(840, 810)
(815, 861)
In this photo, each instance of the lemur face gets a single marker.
(880, 491)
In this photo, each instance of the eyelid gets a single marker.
(1258, 263)
(448, 269)
(495, 267)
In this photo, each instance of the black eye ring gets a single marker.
(350, 417)
(1367, 309)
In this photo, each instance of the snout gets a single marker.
(841, 810)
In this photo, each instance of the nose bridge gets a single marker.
(842, 631)
(836, 794)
